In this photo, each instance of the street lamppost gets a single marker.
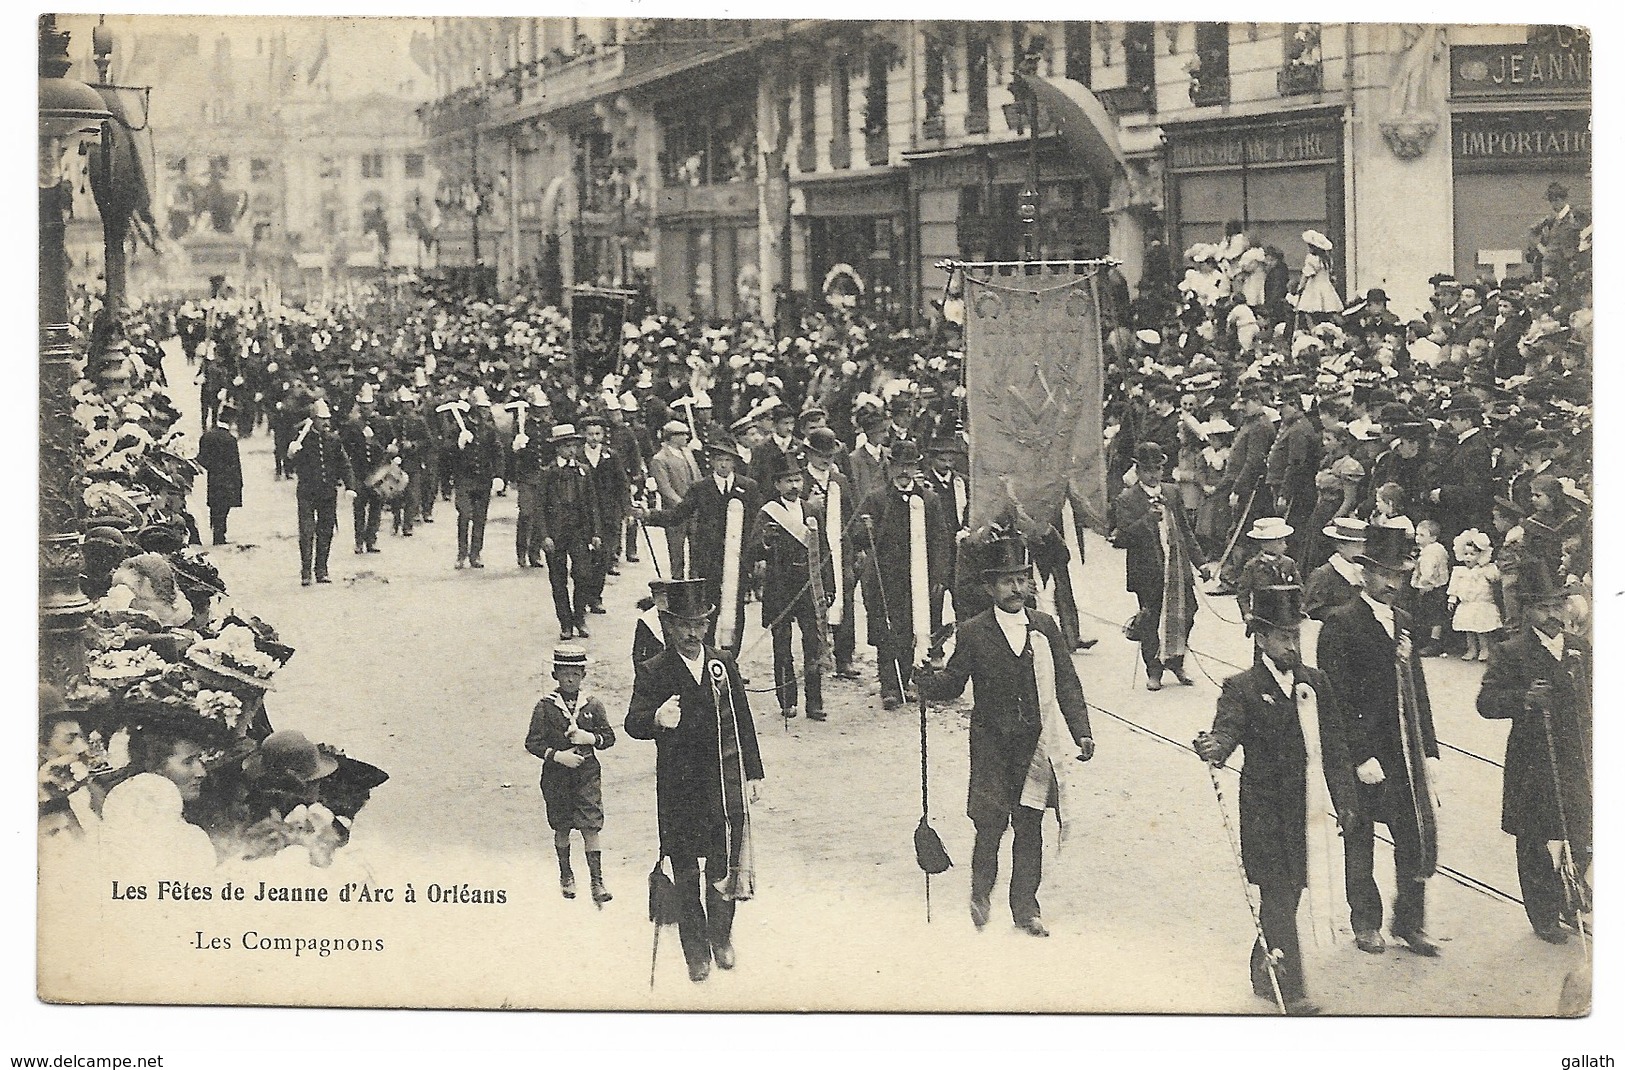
(70, 118)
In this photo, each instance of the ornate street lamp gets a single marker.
(70, 119)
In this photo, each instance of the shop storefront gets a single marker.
(967, 203)
(855, 239)
(1278, 175)
(708, 256)
(1520, 121)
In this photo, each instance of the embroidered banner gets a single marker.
(1033, 390)
(595, 332)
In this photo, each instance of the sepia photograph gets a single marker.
(816, 514)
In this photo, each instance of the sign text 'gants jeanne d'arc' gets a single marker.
(1304, 142)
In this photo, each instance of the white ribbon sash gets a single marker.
(733, 534)
(1055, 744)
(1323, 853)
(919, 581)
(835, 524)
(782, 516)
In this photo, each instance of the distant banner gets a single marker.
(1033, 377)
(595, 332)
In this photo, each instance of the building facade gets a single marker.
(759, 167)
(286, 154)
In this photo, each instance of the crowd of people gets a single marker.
(163, 745)
(1419, 483)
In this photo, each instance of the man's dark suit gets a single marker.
(1358, 657)
(1005, 725)
(1255, 715)
(703, 513)
(699, 789)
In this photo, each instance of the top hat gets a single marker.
(1346, 529)
(1149, 454)
(1388, 546)
(1001, 557)
(564, 433)
(784, 466)
(904, 451)
(569, 656)
(823, 443)
(288, 752)
(683, 598)
(1276, 607)
(1268, 528)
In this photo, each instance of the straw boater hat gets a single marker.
(1345, 529)
(1318, 240)
(569, 656)
(1267, 528)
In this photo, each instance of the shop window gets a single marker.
(976, 46)
(414, 165)
(1210, 70)
(1078, 59)
(1140, 62)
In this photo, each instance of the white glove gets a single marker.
(293, 448)
(396, 461)
(366, 432)
(497, 486)
(520, 441)
(1370, 772)
(464, 438)
(669, 715)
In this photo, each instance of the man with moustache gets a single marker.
(1366, 650)
(784, 539)
(689, 699)
(1286, 716)
(1030, 718)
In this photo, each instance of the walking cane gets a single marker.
(1572, 885)
(1271, 956)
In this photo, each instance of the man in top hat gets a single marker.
(571, 525)
(674, 470)
(1288, 718)
(884, 535)
(1366, 650)
(703, 513)
(822, 475)
(944, 455)
(614, 500)
(1029, 719)
(1160, 555)
(1540, 680)
(690, 700)
(218, 454)
(785, 539)
(1463, 490)
(1337, 582)
(321, 465)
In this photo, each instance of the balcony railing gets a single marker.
(1128, 99)
(1299, 79)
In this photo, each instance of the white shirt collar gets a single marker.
(1014, 627)
(1384, 614)
(1349, 570)
(724, 483)
(696, 667)
(1554, 645)
(872, 449)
